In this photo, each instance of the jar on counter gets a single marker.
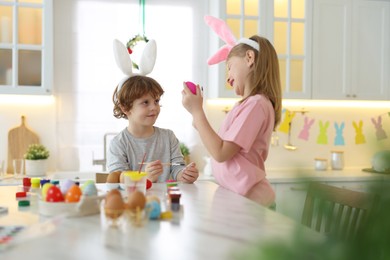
(320, 164)
(337, 160)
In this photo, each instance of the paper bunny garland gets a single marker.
(123, 60)
(223, 31)
(380, 133)
(304, 134)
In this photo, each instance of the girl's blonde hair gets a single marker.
(265, 76)
(135, 87)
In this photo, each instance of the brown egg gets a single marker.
(113, 177)
(136, 200)
(114, 205)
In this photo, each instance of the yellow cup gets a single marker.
(135, 180)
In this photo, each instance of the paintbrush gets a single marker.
(172, 164)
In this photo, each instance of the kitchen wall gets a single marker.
(356, 155)
(73, 123)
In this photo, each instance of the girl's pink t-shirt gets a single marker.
(249, 124)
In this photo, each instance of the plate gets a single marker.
(373, 171)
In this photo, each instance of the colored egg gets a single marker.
(45, 188)
(191, 86)
(148, 184)
(65, 186)
(73, 194)
(154, 209)
(90, 189)
(54, 194)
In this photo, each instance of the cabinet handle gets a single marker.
(298, 188)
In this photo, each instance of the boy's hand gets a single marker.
(189, 174)
(153, 170)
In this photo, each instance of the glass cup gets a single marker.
(18, 165)
(135, 180)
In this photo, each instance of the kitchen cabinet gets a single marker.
(351, 49)
(26, 47)
(290, 199)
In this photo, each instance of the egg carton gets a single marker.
(88, 205)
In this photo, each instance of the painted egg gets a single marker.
(65, 186)
(73, 194)
(191, 86)
(89, 189)
(154, 209)
(54, 194)
(45, 187)
(148, 184)
(114, 205)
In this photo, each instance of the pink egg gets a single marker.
(191, 86)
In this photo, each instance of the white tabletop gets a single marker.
(215, 222)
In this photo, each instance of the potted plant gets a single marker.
(185, 152)
(36, 160)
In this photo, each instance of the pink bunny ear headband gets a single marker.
(223, 31)
(123, 60)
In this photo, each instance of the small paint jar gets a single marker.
(337, 160)
(320, 164)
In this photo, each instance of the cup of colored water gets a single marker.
(135, 180)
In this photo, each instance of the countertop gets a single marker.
(298, 175)
(213, 224)
(273, 175)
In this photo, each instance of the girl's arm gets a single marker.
(219, 149)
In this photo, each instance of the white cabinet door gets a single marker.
(351, 49)
(331, 52)
(370, 50)
(290, 199)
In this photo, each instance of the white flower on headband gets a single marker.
(223, 31)
(123, 60)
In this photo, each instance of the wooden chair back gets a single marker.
(336, 211)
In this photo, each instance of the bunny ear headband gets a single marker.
(223, 31)
(123, 60)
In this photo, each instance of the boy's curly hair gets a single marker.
(135, 87)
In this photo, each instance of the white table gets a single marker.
(215, 223)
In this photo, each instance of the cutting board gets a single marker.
(19, 138)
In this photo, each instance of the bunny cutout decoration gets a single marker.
(339, 139)
(322, 137)
(285, 125)
(304, 134)
(359, 138)
(123, 60)
(223, 31)
(380, 133)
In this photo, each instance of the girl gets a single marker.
(138, 101)
(240, 148)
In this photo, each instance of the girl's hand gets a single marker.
(190, 101)
(189, 174)
(153, 170)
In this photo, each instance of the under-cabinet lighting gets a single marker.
(40, 100)
(310, 103)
